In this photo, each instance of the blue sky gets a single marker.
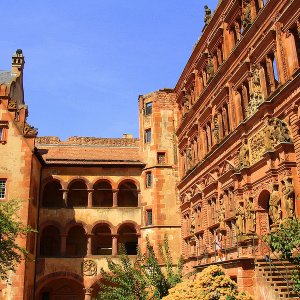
(87, 61)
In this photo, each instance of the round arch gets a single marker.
(77, 193)
(128, 237)
(128, 194)
(79, 178)
(61, 285)
(52, 194)
(263, 218)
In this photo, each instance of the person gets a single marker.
(218, 241)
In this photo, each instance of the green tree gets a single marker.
(286, 241)
(212, 283)
(141, 279)
(11, 227)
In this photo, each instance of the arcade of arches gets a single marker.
(77, 194)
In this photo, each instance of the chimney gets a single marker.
(127, 136)
(18, 62)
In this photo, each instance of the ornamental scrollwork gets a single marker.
(89, 268)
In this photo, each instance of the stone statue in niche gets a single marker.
(186, 105)
(189, 158)
(222, 212)
(250, 216)
(216, 130)
(207, 16)
(244, 159)
(256, 96)
(284, 135)
(240, 219)
(247, 20)
(209, 66)
(275, 205)
(193, 222)
(288, 196)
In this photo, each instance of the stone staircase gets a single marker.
(277, 275)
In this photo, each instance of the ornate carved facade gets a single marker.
(238, 140)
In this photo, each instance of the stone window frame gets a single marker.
(147, 136)
(3, 132)
(161, 154)
(149, 217)
(3, 188)
(148, 108)
(148, 179)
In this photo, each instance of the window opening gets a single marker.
(2, 188)
(161, 158)
(148, 108)
(149, 217)
(147, 135)
(148, 179)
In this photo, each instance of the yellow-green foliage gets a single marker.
(211, 283)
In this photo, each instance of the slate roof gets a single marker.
(5, 77)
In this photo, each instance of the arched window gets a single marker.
(128, 237)
(78, 194)
(127, 195)
(102, 240)
(50, 242)
(76, 242)
(53, 195)
(102, 195)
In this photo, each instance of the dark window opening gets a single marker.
(50, 242)
(148, 179)
(76, 242)
(53, 195)
(148, 108)
(78, 194)
(102, 240)
(128, 237)
(2, 188)
(128, 195)
(102, 195)
(147, 135)
(161, 158)
(149, 217)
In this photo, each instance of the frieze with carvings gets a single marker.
(274, 132)
(89, 268)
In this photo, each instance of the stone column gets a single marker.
(115, 198)
(88, 293)
(89, 244)
(90, 198)
(63, 245)
(114, 245)
(139, 198)
(65, 197)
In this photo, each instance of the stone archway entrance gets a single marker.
(61, 289)
(263, 219)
